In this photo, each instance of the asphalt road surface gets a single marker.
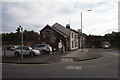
(104, 67)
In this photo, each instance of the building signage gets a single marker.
(59, 45)
(48, 32)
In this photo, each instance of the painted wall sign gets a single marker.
(48, 32)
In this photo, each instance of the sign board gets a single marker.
(60, 45)
(48, 32)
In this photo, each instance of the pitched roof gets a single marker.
(61, 29)
(55, 30)
(59, 32)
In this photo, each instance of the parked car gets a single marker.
(13, 47)
(26, 51)
(106, 45)
(43, 48)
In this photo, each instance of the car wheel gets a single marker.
(16, 54)
(44, 52)
(32, 54)
(41, 52)
(48, 52)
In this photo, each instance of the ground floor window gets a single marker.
(52, 38)
(72, 44)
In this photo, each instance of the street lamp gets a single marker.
(81, 29)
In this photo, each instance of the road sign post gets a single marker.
(18, 30)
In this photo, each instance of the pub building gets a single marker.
(58, 36)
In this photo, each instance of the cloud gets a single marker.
(101, 29)
(82, 1)
(35, 14)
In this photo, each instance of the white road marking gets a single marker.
(74, 67)
(22, 64)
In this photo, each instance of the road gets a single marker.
(104, 67)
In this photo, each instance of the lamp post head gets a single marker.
(86, 10)
(89, 10)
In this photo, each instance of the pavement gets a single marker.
(70, 56)
(83, 55)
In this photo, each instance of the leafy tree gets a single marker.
(15, 38)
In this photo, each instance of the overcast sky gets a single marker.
(35, 14)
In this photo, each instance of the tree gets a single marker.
(15, 38)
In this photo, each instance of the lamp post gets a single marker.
(81, 29)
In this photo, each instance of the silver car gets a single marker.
(43, 48)
(26, 51)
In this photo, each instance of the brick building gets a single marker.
(56, 34)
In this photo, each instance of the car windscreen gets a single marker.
(19, 48)
(30, 48)
(40, 46)
(24, 48)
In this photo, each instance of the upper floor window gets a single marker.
(72, 35)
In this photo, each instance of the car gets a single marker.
(26, 51)
(106, 45)
(13, 47)
(43, 48)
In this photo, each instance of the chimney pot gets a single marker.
(68, 26)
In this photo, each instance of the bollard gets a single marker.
(54, 51)
(4, 53)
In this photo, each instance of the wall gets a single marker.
(53, 39)
(73, 40)
(50, 39)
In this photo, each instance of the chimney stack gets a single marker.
(68, 26)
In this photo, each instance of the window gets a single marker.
(41, 45)
(72, 35)
(72, 45)
(52, 38)
(25, 48)
(19, 48)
